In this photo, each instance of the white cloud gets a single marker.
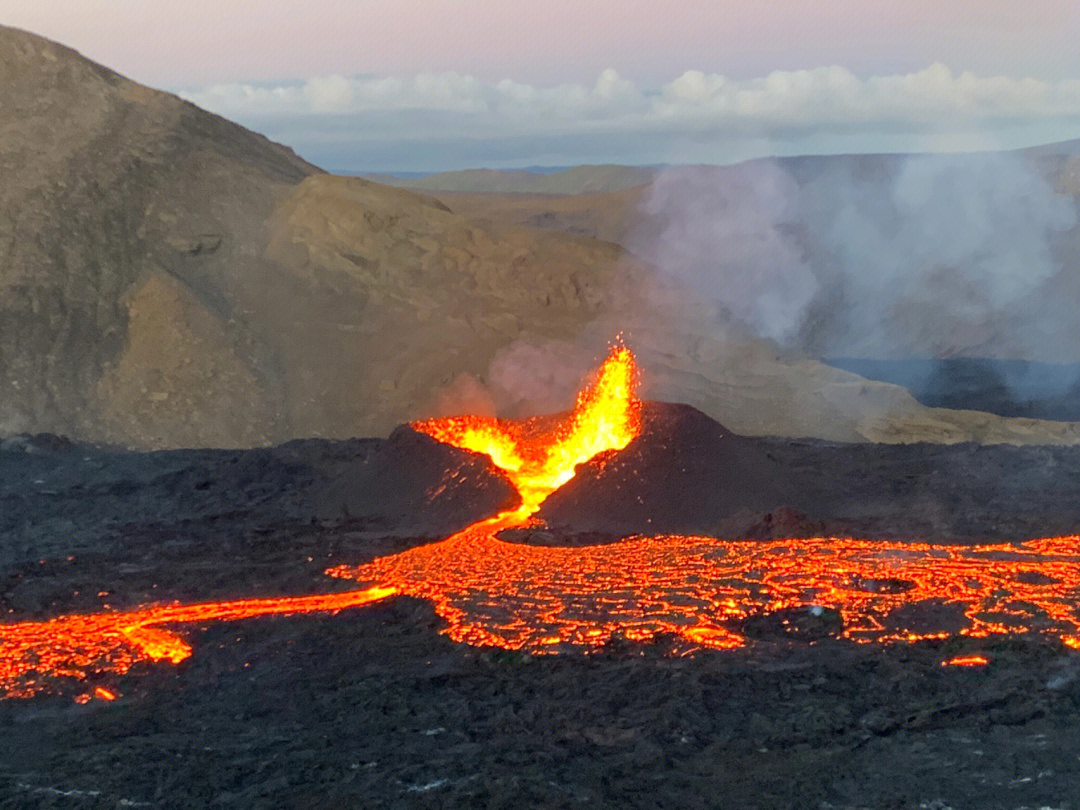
(827, 95)
(933, 105)
(333, 94)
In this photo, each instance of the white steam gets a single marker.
(926, 256)
(725, 238)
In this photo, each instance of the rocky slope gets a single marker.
(168, 278)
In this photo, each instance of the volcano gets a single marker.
(701, 591)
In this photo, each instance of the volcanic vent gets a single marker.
(540, 455)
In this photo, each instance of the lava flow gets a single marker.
(37, 656)
(701, 591)
(697, 591)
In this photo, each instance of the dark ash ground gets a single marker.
(373, 708)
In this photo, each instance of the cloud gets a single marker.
(928, 107)
(335, 95)
(811, 98)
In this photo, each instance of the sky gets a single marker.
(427, 85)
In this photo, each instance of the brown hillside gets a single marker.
(170, 278)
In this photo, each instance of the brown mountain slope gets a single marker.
(168, 279)
(122, 208)
(613, 216)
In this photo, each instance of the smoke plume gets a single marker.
(926, 256)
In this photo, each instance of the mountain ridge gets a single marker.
(614, 177)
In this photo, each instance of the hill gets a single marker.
(168, 278)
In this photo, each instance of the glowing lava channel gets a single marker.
(37, 657)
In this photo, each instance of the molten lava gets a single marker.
(701, 590)
(966, 661)
(35, 656)
(538, 461)
(698, 591)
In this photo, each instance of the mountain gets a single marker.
(170, 279)
(126, 215)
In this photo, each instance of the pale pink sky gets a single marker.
(548, 41)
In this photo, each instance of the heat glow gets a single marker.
(698, 592)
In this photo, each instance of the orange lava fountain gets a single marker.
(537, 461)
(698, 591)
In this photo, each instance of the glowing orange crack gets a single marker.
(966, 661)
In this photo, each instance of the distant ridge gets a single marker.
(575, 180)
(591, 179)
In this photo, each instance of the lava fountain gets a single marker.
(537, 457)
(697, 591)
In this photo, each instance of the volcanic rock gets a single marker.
(81, 525)
(687, 474)
(415, 485)
(683, 472)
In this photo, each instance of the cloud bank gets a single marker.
(931, 109)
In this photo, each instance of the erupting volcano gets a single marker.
(539, 457)
(697, 591)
